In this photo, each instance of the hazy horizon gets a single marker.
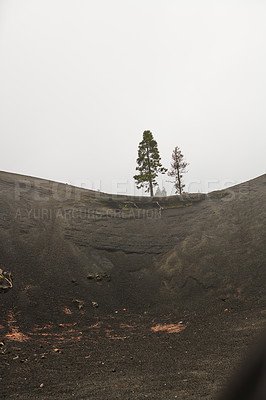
(81, 81)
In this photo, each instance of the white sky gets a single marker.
(80, 80)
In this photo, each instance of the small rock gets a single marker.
(106, 277)
(98, 277)
(80, 303)
(57, 351)
(41, 385)
(95, 304)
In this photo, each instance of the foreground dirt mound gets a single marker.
(92, 270)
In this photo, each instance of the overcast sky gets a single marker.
(80, 80)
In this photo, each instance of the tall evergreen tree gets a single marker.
(178, 167)
(148, 163)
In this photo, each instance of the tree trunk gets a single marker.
(149, 166)
(179, 182)
(151, 189)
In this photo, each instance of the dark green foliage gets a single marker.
(149, 163)
(178, 167)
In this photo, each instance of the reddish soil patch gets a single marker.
(115, 357)
(169, 328)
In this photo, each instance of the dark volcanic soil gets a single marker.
(119, 356)
(118, 297)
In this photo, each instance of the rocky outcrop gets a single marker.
(5, 281)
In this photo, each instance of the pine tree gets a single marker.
(160, 193)
(148, 163)
(178, 167)
(163, 192)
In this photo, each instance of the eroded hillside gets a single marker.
(177, 248)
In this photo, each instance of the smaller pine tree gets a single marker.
(163, 192)
(158, 192)
(178, 168)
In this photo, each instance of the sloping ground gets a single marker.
(134, 297)
(220, 248)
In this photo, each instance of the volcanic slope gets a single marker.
(78, 256)
(154, 251)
